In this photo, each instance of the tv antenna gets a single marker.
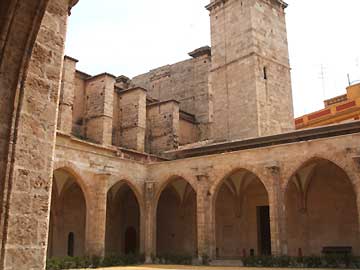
(323, 77)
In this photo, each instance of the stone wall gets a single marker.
(24, 218)
(185, 82)
(188, 131)
(162, 128)
(130, 119)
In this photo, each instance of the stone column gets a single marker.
(65, 117)
(150, 220)
(96, 216)
(26, 185)
(356, 161)
(203, 217)
(277, 212)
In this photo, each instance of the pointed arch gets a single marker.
(217, 185)
(240, 214)
(124, 210)
(321, 207)
(175, 217)
(75, 172)
(68, 213)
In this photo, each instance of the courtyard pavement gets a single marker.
(178, 267)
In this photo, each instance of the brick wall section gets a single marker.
(132, 121)
(99, 108)
(27, 206)
(186, 82)
(66, 103)
(162, 128)
(250, 75)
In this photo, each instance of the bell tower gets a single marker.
(250, 74)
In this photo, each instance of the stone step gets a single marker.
(227, 263)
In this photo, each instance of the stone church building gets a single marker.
(199, 157)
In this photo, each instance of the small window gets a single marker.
(71, 240)
(265, 73)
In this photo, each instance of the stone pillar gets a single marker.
(277, 212)
(99, 108)
(203, 217)
(26, 186)
(65, 117)
(96, 216)
(356, 161)
(150, 220)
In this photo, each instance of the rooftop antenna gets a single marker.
(322, 77)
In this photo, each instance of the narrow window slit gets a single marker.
(265, 73)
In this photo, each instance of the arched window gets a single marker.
(71, 240)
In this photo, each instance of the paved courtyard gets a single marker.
(175, 267)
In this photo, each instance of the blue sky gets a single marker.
(134, 36)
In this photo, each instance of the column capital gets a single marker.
(273, 169)
(202, 177)
(356, 160)
(149, 188)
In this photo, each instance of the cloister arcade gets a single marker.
(319, 201)
(312, 202)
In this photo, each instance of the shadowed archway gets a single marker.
(176, 219)
(67, 217)
(242, 217)
(321, 209)
(122, 221)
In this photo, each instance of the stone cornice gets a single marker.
(324, 132)
(72, 3)
(217, 3)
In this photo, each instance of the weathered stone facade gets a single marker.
(135, 163)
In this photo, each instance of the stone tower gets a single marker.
(250, 74)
